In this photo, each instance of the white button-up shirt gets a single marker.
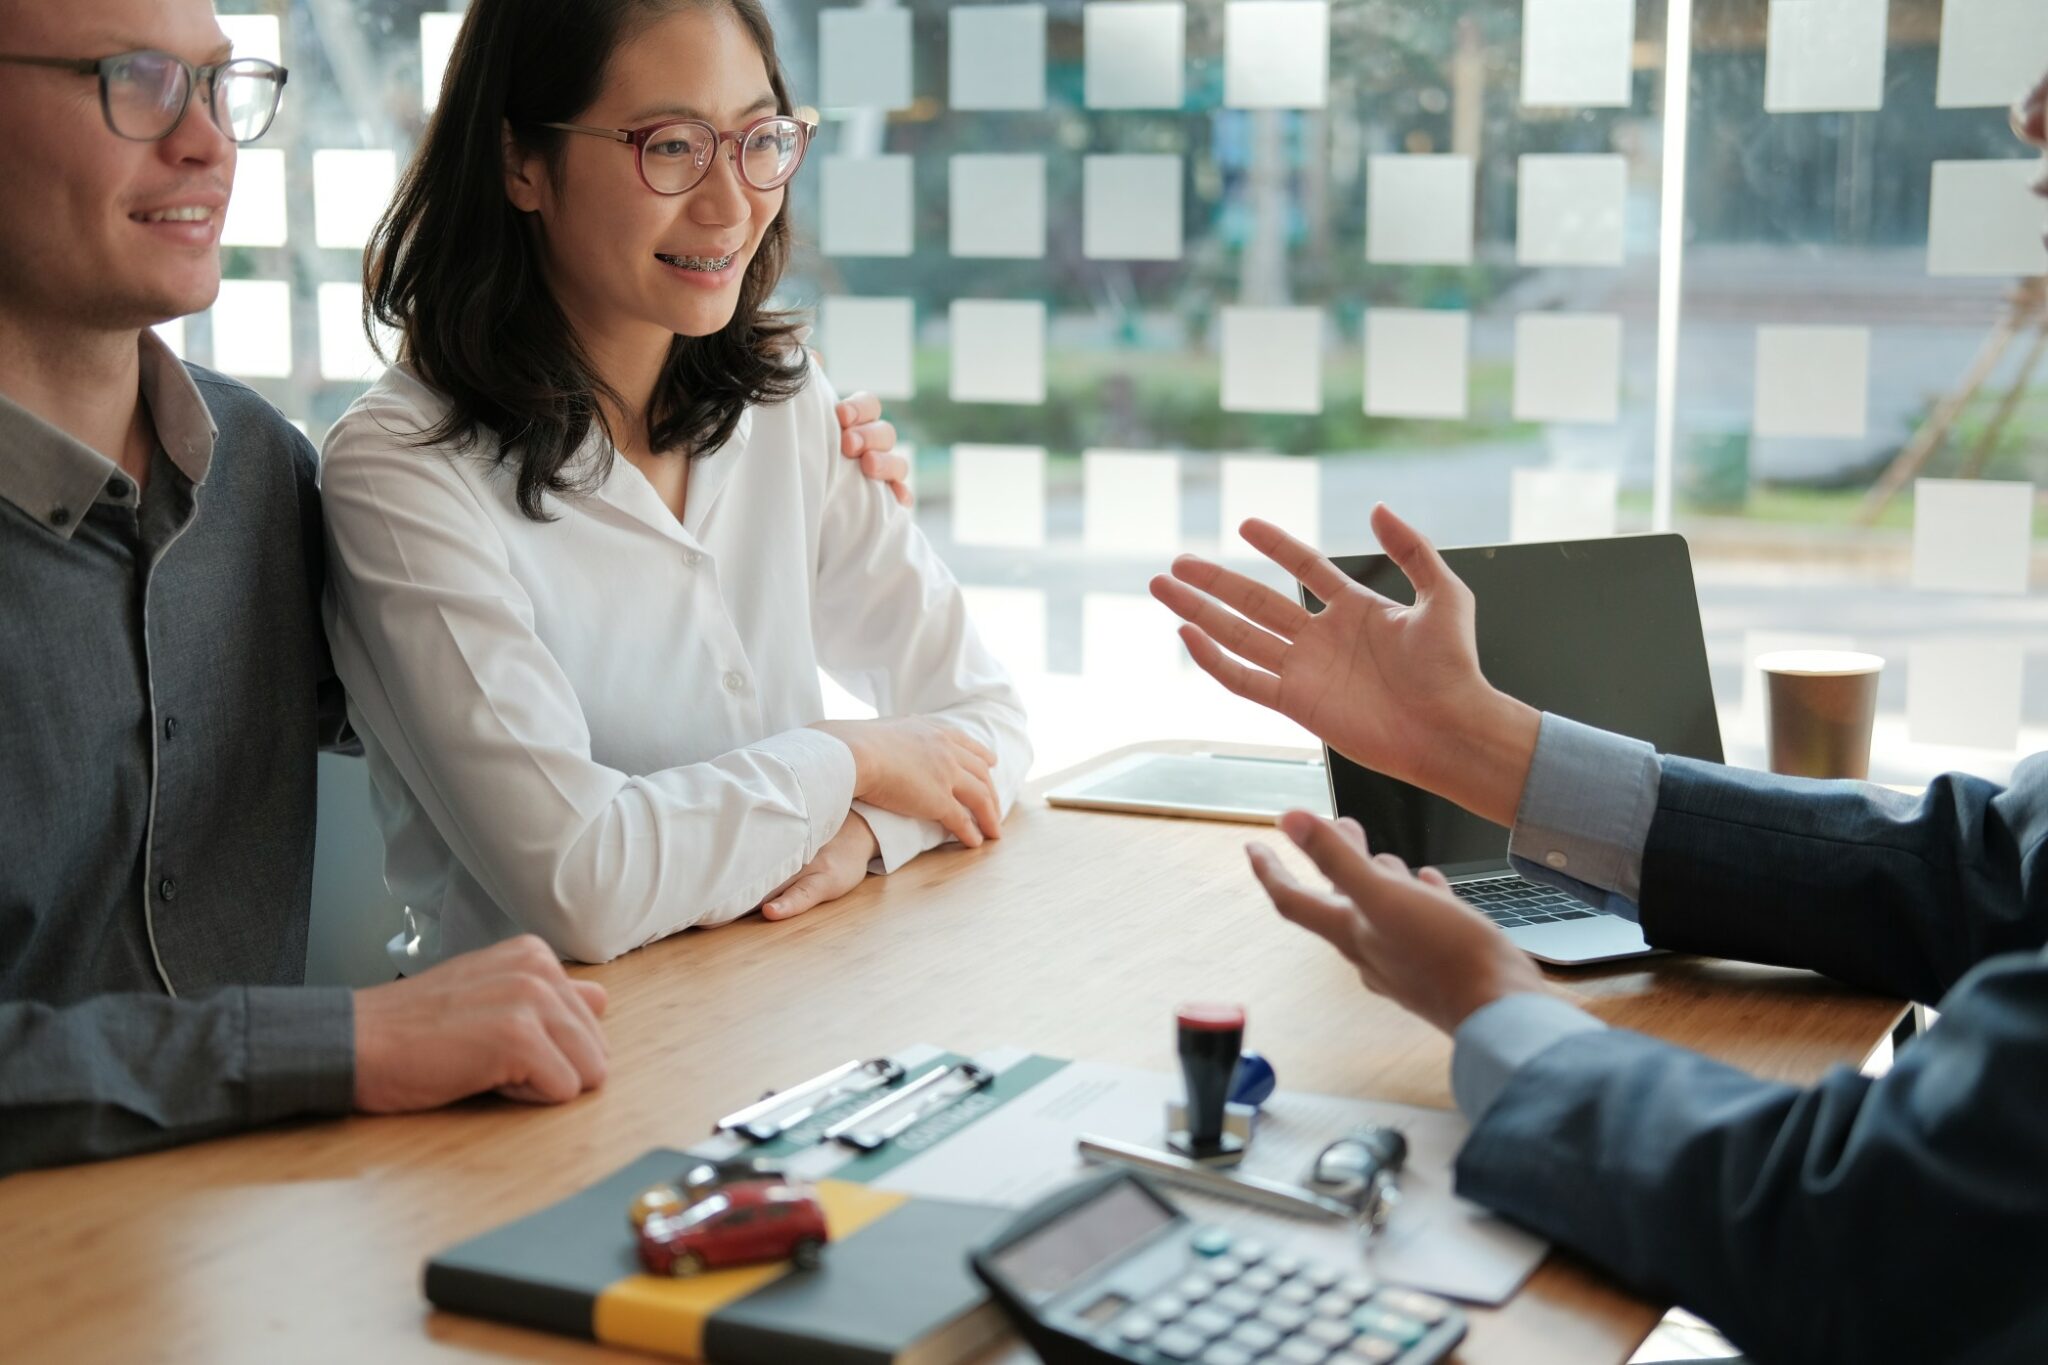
(593, 728)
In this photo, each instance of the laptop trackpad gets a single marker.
(1575, 941)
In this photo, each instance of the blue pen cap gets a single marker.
(1254, 1081)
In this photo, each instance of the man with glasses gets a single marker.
(164, 682)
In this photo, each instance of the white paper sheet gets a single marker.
(1576, 53)
(1136, 54)
(1991, 51)
(1972, 535)
(1276, 54)
(1812, 381)
(998, 57)
(867, 344)
(998, 351)
(1965, 693)
(437, 44)
(1571, 209)
(866, 208)
(1415, 362)
(252, 329)
(1567, 367)
(865, 56)
(350, 191)
(1011, 622)
(1824, 55)
(999, 495)
(1984, 219)
(1131, 208)
(1272, 360)
(1435, 1240)
(998, 205)
(346, 356)
(254, 35)
(1285, 490)
(1418, 210)
(1130, 502)
(1562, 504)
(256, 209)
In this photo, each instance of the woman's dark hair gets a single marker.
(455, 269)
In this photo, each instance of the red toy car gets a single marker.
(741, 1224)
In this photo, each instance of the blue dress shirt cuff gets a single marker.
(1585, 814)
(1495, 1040)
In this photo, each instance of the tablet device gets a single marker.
(1236, 787)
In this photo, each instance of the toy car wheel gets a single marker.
(808, 1253)
(687, 1264)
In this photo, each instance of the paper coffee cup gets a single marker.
(1822, 703)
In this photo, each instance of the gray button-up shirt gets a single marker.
(164, 689)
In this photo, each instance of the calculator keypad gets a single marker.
(1240, 1302)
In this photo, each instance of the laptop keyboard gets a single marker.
(1513, 901)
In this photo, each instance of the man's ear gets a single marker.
(525, 173)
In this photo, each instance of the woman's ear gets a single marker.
(524, 173)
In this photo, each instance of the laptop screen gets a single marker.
(1603, 631)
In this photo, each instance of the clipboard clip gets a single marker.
(891, 1116)
(781, 1110)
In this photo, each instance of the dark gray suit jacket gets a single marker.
(1869, 1220)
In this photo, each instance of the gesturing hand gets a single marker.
(504, 1018)
(841, 865)
(1394, 688)
(925, 770)
(1411, 939)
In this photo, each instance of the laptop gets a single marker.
(1606, 632)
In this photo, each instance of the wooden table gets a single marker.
(1076, 934)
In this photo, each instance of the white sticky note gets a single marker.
(998, 57)
(351, 190)
(998, 351)
(1415, 362)
(1753, 716)
(173, 335)
(1567, 367)
(1418, 210)
(346, 355)
(437, 45)
(1983, 219)
(1136, 54)
(1011, 622)
(256, 211)
(1577, 53)
(1965, 693)
(1812, 381)
(252, 329)
(865, 58)
(1970, 535)
(1824, 55)
(999, 495)
(866, 206)
(1285, 490)
(1571, 209)
(998, 205)
(1992, 51)
(1273, 360)
(1562, 504)
(1276, 54)
(1130, 502)
(254, 35)
(1131, 208)
(1128, 635)
(868, 345)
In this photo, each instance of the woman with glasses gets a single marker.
(591, 539)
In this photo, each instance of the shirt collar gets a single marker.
(55, 478)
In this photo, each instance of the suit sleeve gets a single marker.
(1896, 894)
(1863, 1219)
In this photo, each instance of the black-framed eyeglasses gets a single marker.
(144, 95)
(676, 154)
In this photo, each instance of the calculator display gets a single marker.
(1068, 1249)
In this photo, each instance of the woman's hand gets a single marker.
(925, 770)
(865, 436)
(840, 866)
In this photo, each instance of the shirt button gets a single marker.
(117, 489)
(171, 727)
(60, 516)
(735, 684)
(167, 889)
(1556, 860)
(692, 558)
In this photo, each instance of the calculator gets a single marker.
(1110, 1270)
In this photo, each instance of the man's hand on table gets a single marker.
(505, 1018)
(1411, 939)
